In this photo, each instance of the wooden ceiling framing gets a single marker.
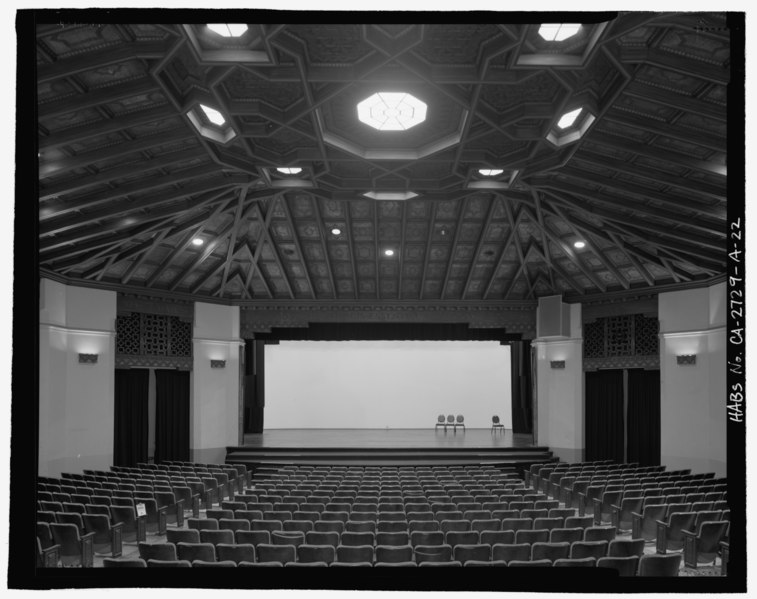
(126, 180)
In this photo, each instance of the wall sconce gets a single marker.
(687, 360)
(557, 364)
(87, 358)
(218, 363)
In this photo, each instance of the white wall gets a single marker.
(75, 400)
(560, 392)
(693, 398)
(214, 411)
(379, 384)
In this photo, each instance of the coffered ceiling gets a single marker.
(131, 170)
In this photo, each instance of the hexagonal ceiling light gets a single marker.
(391, 111)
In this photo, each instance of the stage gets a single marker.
(388, 447)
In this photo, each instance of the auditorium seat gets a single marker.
(516, 524)
(595, 549)
(423, 525)
(701, 544)
(600, 533)
(644, 524)
(316, 553)
(472, 551)
(235, 553)
(542, 563)
(508, 552)
(75, 549)
(569, 535)
(659, 565)
(355, 539)
(355, 554)
(190, 535)
(133, 527)
(584, 562)
(161, 551)
(107, 537)
(670, 533)
(110, 562)
(625, 566)
(438, 552)
(202, 523)
(456, 537)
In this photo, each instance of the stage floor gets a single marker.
(472, 438)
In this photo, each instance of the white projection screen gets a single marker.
(385, 384)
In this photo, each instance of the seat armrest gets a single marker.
(162, 513)
(51, 556)
(689, 533)
(116, 539)
(87, 550)
(662, 536)
(179, 506)
(141, 526)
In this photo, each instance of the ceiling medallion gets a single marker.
(391, 111)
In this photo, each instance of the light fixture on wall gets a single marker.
(218, 363)
(87, 358)
(687, 360)
(557, 364)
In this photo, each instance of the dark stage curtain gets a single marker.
(254, 385)
(522, 408)
(171, 415)
(130, 433)
(604, 415)
(644, 417)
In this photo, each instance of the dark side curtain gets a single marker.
(644, 417)
(254, 385)
(522, 408)
(130, 433)
(604, 415)
(171, 415)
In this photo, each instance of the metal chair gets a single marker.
(497, 425)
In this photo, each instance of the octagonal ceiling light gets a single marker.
(391, 111)
(287, 170)
(569, 118)
(213, 115)
(490, 172)
(228, 29)
(558, 32)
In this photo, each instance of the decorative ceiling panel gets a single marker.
(131, 169)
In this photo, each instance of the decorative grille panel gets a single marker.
(139, 334)
(646, 331)
(619, 336)
(594, 339)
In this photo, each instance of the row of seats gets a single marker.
(647, 565)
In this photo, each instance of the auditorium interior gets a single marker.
(322, 295)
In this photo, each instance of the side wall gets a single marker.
(560, 392)
(75, 400)
(693, 397)
(215, 391)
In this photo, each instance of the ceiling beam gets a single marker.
(56, 208)
(296, 239)
(185, 243)
(275, 249)
(51, 166)
(503, 251)
(324, 246)
(521, 257)
(622, 222)
(453, 246)
(670, 62)
(480, 244)
(597, 251)
(427, 254)
(676, 101)
(76, 221)
(659, 178)
(697, 138)
(568, 251)
(567, 277)
(104, 127)
(376, 247)
(96, 97)
(351, 247)
(649, 151)
(401, 250)
(235, 228)
(91, 61)
(255, 255)
(632, 259)
(105, 177)
(143, 258)
(136, 250)
(545, 242)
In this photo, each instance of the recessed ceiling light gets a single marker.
(390, 195)
(389, 252)
(213, 115)
(294, 170)
(569, 118)
(197, 241)
(336, 231)
(391, 111)
(490, 172)
(228, 29)
(557, 32)
(579, 245)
